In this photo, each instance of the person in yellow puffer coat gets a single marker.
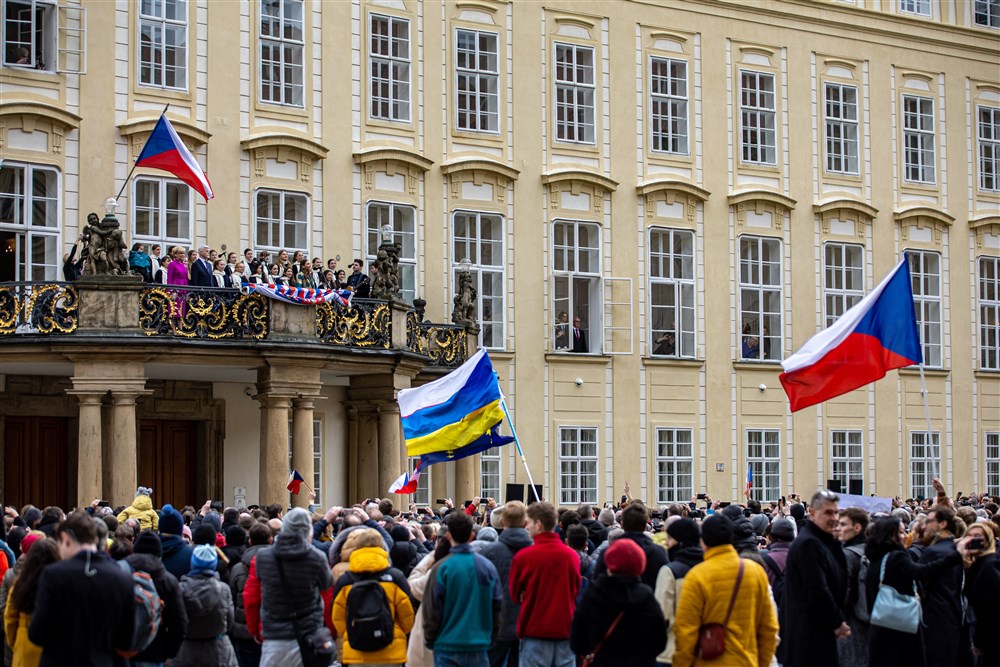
(752, 631)
(370, 559)
(141, 509)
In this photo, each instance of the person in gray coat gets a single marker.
(512, 539)
(209, 606)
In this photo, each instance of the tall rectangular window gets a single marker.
(925, 463)
(402, 220)
(161, 211)
(317, 481)
(986, 13)
(919, 7)
(993, 464)
(29, 34)
(477, 81)
(281, 220)
(163, 43)
(925, 277)
(760, 298)
(282, 52)
(575, 93)
(757, 118)
(918, 139)
(30, 209)
(674, 465)
(422, 496)
(668, 89)
(841, 116)
(577, 465)
(389, 59)
(989, 148)
(478, 237)
(843, 278)
(989, 313)
(671, 292)
(846, 458)
(576, 286)
(489, 469)
(764, 458)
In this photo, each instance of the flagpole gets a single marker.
(132, 171)
(513, 431)
(927, 415)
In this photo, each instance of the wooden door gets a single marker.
(36, 461)
(168, 460)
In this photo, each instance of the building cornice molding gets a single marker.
(673, 185)
(759, 195)
(393, 154)
(461, 165)
(285, 139)
(579, 176)
(986, 220)
(184, 127)
(918, 213)
(844, 202)
(40, 110)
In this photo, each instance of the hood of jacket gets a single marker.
(369, 559)
(251, 553)
(290, 546)
(595, 528)
(688, 555)
(142, 503)
(171, 544)
(147, 563)
(620, 591)
(516, 538)
(744, 537)
(201, 595)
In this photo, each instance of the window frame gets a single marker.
(594, 280)
(758, 111)
(991, 462)
(46, 34)
(317, 451)
(988, 149)
(765, 343)
(988, 311)
(845, 475)
(575, 87)
(669, 100)
(407, 265)
(282, 222)
(845, 124)
(479, 75)
(161, 211)
(498, 321)
(915, 7)
(924, 302)
(667, 466)
(850, 297)
(25, 230)
(281, 42)
(162, 50)
(422, 495)
(922, 137)
(758, 463)
(685, 340)
(991, 13)
(393, 104)
(575, 494)
(933, 459)
(487, 459)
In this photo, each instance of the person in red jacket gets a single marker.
(545, 580)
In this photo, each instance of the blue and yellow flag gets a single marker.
(454, 411)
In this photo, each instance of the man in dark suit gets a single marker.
(84, 605)
(579, 337)
(201, 269)
(358, 281)
(941, 596)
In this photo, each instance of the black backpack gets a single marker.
(778, 587)
(369, 617)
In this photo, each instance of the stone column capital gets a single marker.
(88, 396)
(304, 402)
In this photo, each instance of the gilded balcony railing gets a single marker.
(214, 314)
(445, 344)
(38, 308)
(366, 323)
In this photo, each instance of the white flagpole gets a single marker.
(927, 414)
(503, 404)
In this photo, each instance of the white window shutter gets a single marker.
(72, 40)
(617, 321)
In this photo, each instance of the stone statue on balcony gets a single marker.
(385, 275)
(464, 311)
(106, 255)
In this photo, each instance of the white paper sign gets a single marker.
(870, 504)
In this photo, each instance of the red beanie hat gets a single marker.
(625, 557)
(30, 539)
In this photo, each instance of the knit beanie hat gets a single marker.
(213, 519)
(717, 530)
(487, 534)
(734, 512)
(626, 557)
(782, 530)
(798, 511)
(148, 542)
(759, 522)
(298, 522)
(171, 522)
(204, 534)
(30, 539)
(684, 530)
(143, 491)
(203, 559)
(399, 533)
(235, 537)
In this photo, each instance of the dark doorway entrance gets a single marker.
(168, 460)
(36, 461)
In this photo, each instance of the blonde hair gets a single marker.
(367, 537)
(989, 534)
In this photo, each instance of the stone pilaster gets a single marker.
(89, 468)
(390, 439)
(302, 447)
(274, 449)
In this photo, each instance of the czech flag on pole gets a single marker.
(876, 335)
(406, 483)
(295, 481)
(164, 150)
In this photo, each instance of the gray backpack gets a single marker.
(861, 605)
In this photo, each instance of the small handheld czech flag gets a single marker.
(295, 482)
(749, 478)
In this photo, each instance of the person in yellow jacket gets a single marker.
(21, 604)
(370, 560)
(752, 630)
(142, 510)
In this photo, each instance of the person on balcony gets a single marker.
(177, 274)
(201, 269)
(73, 262)
(579, 337)
(358, 281)
(219, 277)
(562, 331)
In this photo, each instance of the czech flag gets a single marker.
(295, 482)
(164, 150)
(406, 483)
(749, 478)
(876, 335)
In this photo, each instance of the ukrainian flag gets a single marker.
(453, 411)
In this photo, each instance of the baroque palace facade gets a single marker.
(703, 184)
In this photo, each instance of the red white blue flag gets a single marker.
(164, 150)
(406, 483)
(876, 335)
(302, 296)
(749, 478)
(295, 482)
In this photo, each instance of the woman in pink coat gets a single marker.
(177, 274)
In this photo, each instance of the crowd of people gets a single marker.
(702, 583)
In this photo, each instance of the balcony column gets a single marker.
(389, 446)
(367, 476)
(273, 449)
(352, 454)
(123, 448)
(88, 468)
(302, 447)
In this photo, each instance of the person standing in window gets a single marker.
(579, 337)
(751, 347)
(562, 331)
(666, 344)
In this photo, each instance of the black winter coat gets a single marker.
(501, 554)
(288, 611)
(639, 637)
(682, 559)
(656, 557)
(982, 587)
(238, 575)
(889, 648)
(814, 598)
(174, 623)
(598, 531)
(941, 598)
